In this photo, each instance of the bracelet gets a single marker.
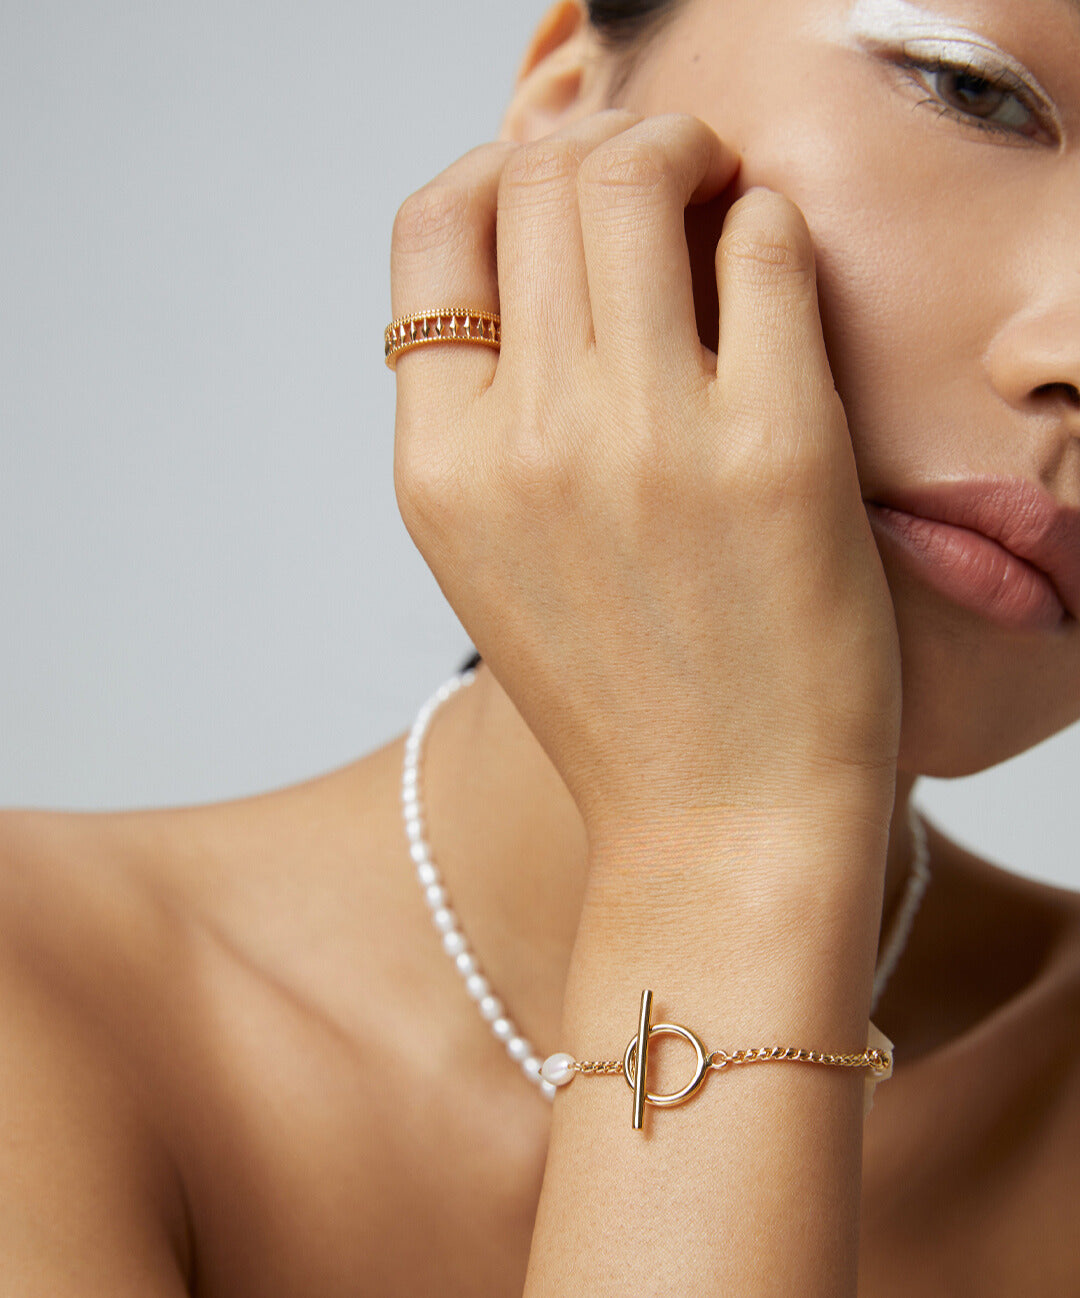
(560, 1068)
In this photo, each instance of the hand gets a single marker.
(661, 553)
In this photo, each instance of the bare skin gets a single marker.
(296, 1096)
(241, 1061)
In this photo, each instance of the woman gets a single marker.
(760, 314)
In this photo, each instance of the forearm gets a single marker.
(761, 935)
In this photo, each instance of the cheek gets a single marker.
(906, 278)
(905, 212)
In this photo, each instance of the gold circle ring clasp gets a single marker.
(676, 1097)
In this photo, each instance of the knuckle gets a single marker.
(640, 167)
(767, 232)
(431, 217)
(543, 163)
(426, 485)
(778, 457)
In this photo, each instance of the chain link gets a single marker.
(879, 1061)
(609, 1067)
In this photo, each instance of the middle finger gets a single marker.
(543, 284)
(633, 192)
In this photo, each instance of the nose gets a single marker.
(1034, 363)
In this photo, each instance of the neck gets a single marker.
(511, 845)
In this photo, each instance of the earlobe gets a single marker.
(556, 81)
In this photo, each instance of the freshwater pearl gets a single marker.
(557, 1069)
(444, 919)
(435, 896)
(491, 1008)
(454, 942)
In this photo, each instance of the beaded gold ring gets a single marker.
(450, 325)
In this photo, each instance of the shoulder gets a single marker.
(88, 1195)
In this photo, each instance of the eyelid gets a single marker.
(984, 59)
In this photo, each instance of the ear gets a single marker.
(561, 77)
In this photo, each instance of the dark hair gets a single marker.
(626, 27)
(622, 23)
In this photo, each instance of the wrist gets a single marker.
(829, 845)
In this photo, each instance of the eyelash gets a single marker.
(1003, 81)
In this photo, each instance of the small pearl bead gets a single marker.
(415, 830)
(518, 1049)
(491, 1008)
(466, 964)
(427, 872)
(444, 919)
(531, 1068)
(503, 1029)
(454, 942)
(557, 1069)
(548, 1091)
(477, 986)
(435, 896)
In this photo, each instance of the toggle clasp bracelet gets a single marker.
(560, 1068)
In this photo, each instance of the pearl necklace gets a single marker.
(456, 945)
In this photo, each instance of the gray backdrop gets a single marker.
(205, 588)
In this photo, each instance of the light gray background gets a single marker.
(205, 587)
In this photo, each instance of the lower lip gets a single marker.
(972, 570)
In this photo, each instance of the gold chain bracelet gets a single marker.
(560, 1068)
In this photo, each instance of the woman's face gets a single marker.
(946, 218)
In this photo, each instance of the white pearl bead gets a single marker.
(557, 1069)
(415, 830)
(548, 1091)
(491, 1008)
(466, 964)
(477, 986)
(454, 942)
(503, 1029)
(435, 896)
(427, 872)
(531, 1068)
(518, 1049)
(444, 919)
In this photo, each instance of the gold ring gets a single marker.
(451, 325)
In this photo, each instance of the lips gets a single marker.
(1014, 513)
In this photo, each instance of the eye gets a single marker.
(975, 97)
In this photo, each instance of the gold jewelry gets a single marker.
(560, 1069)
(450, 325)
